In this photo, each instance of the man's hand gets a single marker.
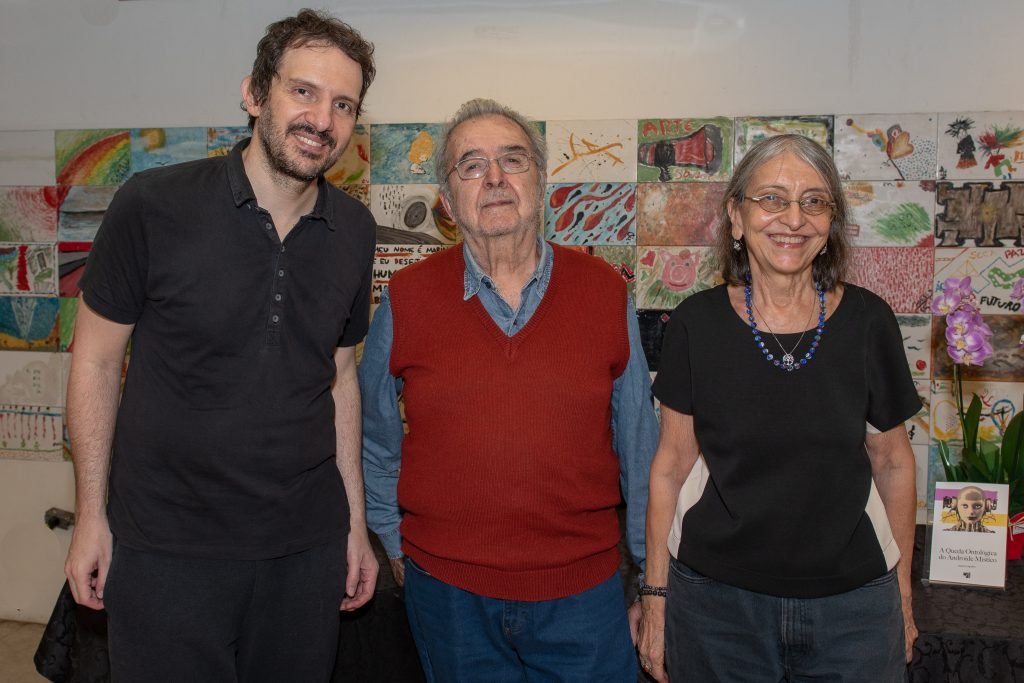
(361, 580)
(88, 561)
(398, 570)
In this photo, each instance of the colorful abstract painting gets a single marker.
(26, 157)
(28, 269)
(1003, 365)
(623, 260)
(155, 147)
(667, 275)
(684, 149)
(979, 213)
(591, 213)
(600, 151)
(220, 140)
(29, 214)
(891, 213)
(412, 214)
(992, 271)
(92, 157)
(886, 146)
(403, 153)
(81, 212)
(66, 320)
(981, 145)
(353, 167)
(900, 275)
(916, 330)
(31, 406)
(678, 213)
(752, 129)
(29, 323)
(1000, 401)
(919, 426)
(71, 257)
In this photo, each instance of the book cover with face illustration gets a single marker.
(969, 534)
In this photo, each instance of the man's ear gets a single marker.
(446, 203)
(249, 102)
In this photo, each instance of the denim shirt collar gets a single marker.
(474, 277)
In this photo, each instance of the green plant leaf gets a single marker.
(1013, 451)
(991, 462)
(971, 419)
(946, 465)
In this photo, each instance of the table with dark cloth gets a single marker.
(968, 635)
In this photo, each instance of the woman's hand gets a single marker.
(651, 641)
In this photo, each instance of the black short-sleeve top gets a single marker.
(782, 501)
(225, 441)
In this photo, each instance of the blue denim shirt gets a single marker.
(634, 424)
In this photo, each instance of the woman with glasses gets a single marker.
(780, 522)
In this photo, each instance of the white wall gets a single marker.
(104, 63)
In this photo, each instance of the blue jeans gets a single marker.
(716, 632)
(462, 637)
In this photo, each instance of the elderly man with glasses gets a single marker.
(528, 405)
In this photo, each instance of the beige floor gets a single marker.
(18, 642)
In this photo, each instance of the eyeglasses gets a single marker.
(773, 203)
(475, 167)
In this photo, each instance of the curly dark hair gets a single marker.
(308, 27)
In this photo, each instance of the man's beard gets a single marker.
(274, 144)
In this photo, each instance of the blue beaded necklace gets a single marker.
(787, 362)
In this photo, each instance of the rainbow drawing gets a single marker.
(92, 157)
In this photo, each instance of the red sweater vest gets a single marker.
(509, 481)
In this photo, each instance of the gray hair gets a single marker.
(828, 269)
(443, 162)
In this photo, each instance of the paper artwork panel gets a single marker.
(917, 333)
(886, 146)
(623, 261)
(353, 166)
(684, 149)
(29, 214)
(678, 213)
(979, 214)
(92, 157)
(403, 153)
(600, 151)
(591, 213)
(919, 426)
(66, 320)
(1000, 401)
(359, 191)
(389, 259)
(891, 214)
(26, 157)
(29, 323)
(1006, 361)
(667, 275)
(981, 145)
(752, 129)
(31, 400)
(900, 275)
(81, 212)
(921, 481)
(992, 271)
(411, 214)
(71, 257)
(28, 269)
(155, 147)
(220, 140)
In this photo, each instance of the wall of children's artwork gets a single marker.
(646, 108)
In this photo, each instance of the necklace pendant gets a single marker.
(788, 360)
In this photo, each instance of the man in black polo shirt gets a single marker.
(243, 283)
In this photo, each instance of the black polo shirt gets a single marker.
(225, 440)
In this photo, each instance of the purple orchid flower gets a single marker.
(954, 291)
(1018, 289)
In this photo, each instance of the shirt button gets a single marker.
(280, 273)
(282, 248)
(268, 226)
(277, 297)
(275, 318)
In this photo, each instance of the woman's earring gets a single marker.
(823, 251)
(736, 245)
